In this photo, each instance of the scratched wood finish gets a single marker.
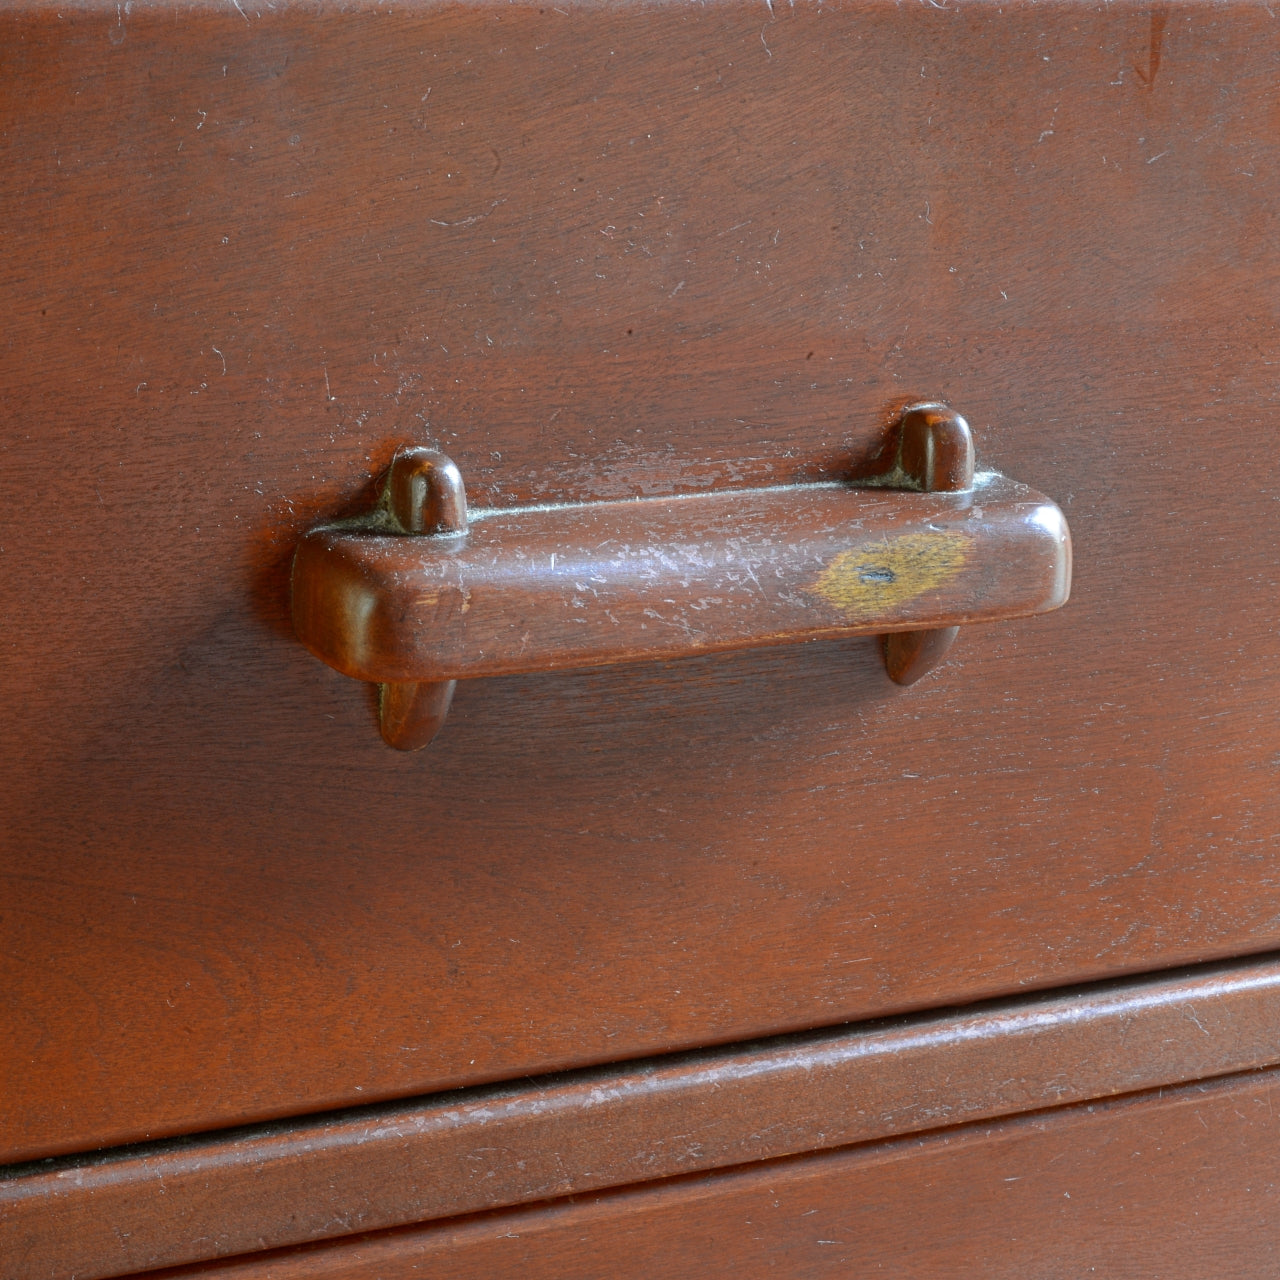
(586, 585)
(176, 1202)
(599, 252)
(1182, 1184)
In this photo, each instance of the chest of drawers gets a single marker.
(596, 253)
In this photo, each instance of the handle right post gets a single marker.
(935, 455)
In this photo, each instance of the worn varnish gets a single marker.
(599, 253)
(1183, 1184)
(175, 1202)
(414, 597)
(538, 589)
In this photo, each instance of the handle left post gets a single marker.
(424, 494)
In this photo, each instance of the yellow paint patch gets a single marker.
(869, 582)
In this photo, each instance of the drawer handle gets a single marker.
(421, 593)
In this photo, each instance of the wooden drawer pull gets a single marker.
(422, 593)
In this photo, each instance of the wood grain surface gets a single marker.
(1182, 1184)
(602, 251)
(187, 1200)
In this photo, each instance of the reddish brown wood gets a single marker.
(908, 655)
(423, 494)
(592, 584)
(170, 1203)
(224, 900)
(1183, 1184)
(935, 450)
(410, 714)
(935, 454)
(536, 589)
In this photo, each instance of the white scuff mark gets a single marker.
(204, 115)
(1048, 133)
(468, 222)
(221, 357)
(1190, 1015)
(676, 290)
(239, 10)
(763, 41)
(1155, 158)
(327, 395)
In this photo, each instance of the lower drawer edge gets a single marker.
(1181, 1184)
(185, 1201)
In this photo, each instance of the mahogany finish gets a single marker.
(935, 450)
(174, 1202)
(411, 713)
(536, 589)
(1183, 1184)
(596, 253)
(935, 454)
(423, 495)
(574, 585)
(909, 655)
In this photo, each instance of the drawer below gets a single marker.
(1182, 1184)
(580, 1133)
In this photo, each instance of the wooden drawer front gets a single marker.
(601, 252)
(1184, 1185)
(175, 1202)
